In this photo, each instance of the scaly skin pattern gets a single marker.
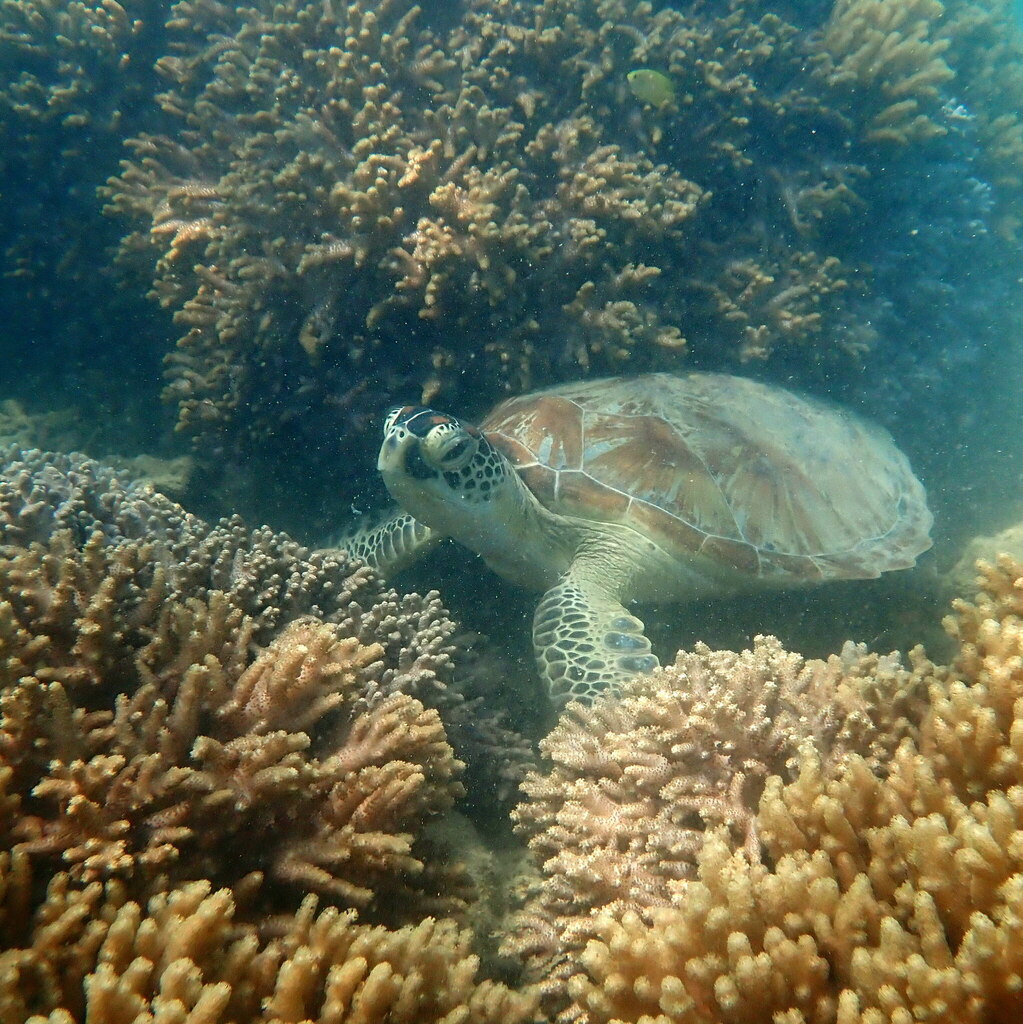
(390, 544)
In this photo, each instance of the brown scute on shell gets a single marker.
(745, 474)
(578, 494)
(649, 520)
(541, 428)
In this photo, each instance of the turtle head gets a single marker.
(443, 472)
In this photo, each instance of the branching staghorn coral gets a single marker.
(150, 723)
(265, 575)
(365, 203)
(881, 897)
(893, 53)
(65, 54)
(408, 194)
(617, 823)
(273, 580)
(153, 745)
(90, 953)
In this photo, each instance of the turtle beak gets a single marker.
(392, 452)
(400, 457)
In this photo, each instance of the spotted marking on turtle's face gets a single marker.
(430, 454)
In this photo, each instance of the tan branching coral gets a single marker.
(145, 735)
(617, 823)
(437, 202)
(306, 673)
(62, 51)
(191, 588)
(90, 954)
(154, 747)
(385, 206)
(781, 299)
(171, 776)
(891, 51)
(881, 897)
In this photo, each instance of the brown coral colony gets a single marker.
(177, 773)
(373, 193)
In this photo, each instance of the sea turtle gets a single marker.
(655, 487)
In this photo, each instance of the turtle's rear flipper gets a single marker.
(586, 642)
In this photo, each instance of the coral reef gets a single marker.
(892, 54)
(962, 576)
(366, 202)
(427, 203)
(67, 55)
(230, 765)
(79, 79)
(880, 896)
(150, 744)
(91, 954)
(230, 803)
(265, 575)
(618, 820)
(162, 738)
(150, 685)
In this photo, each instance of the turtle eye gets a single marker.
(457, 453)
(448, 446)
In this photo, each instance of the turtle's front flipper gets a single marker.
(390, 544)
(585, 641)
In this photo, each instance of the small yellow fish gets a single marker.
(651, 87)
